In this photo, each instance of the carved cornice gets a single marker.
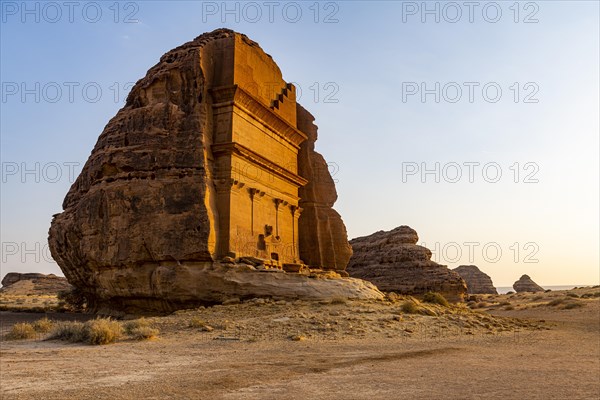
(255, 158)
(226, 96)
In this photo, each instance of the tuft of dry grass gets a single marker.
(410, 307)
(20, 331)
(103, 331)
(140, 329)
(555, 302)
(435, 298)
(572, 305)
(43, 325)
(97, 331)
(196, 322)
(69, 331)
(143, 333)
(133, 325)
(339, 300)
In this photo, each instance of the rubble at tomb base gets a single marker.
(211, 159)
(394, 262)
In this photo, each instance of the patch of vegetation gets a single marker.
(143, 333)
(140, 329)
(97, 331)
(590, 295)
(510, 292)
(131, 326)
(69, 331)
(339, 300)
(575, 295)
(537, 298)
(572, 305)
(555, 302)
(435, 298)
(21, 330)
(103, 331)
(509, 308)
(43, 325)
(410, 307)
(196, 322)
(504, 303)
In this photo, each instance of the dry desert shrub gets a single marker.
(69, 331)
(590, 295)
(435, 298)
(130, 326)
(410, 307)
(339, 300)
(140, 329)
(143, 333)
(196, 322)
(97, 331)
(21, 330)
(103, 331)
(555, 302)
(572, 305)
(43, 325)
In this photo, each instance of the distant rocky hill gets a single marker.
(15, 283)
(477, 281)
(526, 284)
(395, 263)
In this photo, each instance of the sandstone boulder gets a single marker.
(395, 263)
(207, 161)
(477, 281)
(526, 284)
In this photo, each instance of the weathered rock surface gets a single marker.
(35, 283)
(155, 198)
(526, 284)
(477, 281)
(324, 241)
(395, 263)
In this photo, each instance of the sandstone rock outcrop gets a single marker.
(477, 281)
(526, 284)
(205, 162)
(394, 262)
(324, 238)
(35, 283)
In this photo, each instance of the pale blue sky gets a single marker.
(369, 55)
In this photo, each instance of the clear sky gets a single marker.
(476, 124)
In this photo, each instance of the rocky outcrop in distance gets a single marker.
(394, 262)
(477, 281)
(526, 284)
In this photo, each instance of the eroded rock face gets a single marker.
(181, 178)
(394, 262)
(526, 284)
(477, 281)
(323, 240)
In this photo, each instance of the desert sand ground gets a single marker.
(529, 349)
